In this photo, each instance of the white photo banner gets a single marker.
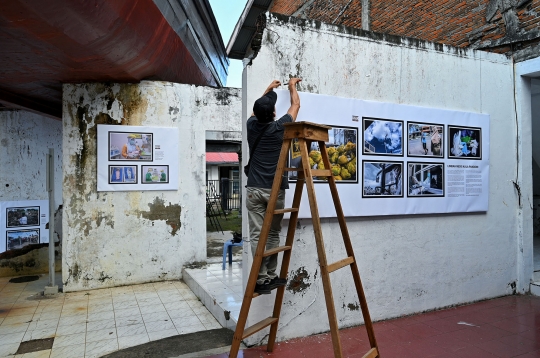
(394, 159)
(23, 223)
(137, 158)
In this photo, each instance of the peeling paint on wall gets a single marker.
(120, 238)
(298, 281)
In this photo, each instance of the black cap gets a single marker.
(264, 107)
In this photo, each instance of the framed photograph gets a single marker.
(382, 137)
(342, 149)
(16, 239)
(131, 146)
(425, 179)
(464, 143)
(425, 140)
(382, 179)
(122, 174)
(22, 216)
(154, 174)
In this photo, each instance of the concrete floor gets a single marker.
(502, 327)
(93, 323)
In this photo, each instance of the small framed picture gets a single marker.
(154, 174)
(122, 174)
(425, 140)
(464, 143)
(382, 179)
(425, 179)
(342, 149)
(22, 216)
(382, 137)
(130, 146)
(16, 239)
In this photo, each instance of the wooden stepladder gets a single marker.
(306, 133)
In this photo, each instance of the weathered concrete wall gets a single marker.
(120, 238)
(408, 263)
(25, 139)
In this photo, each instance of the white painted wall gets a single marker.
(25, 139)
(408, 264)
(121, 238)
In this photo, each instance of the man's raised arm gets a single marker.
(295, 99)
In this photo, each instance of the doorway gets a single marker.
(535, 126)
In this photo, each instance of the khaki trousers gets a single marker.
(256, 203)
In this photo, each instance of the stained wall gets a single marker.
(408, 264)
(121, 238)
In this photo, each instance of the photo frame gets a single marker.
(464, 142)
(425, 179)
(382, 137)
(22, 216)
(342, 149)
(154, 174)
(425, 140)
(382, 179)
(131, 146)
(16, 239)
(123, 174)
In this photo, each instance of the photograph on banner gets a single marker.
(16, 239)
(22, 216)
(122, 174)
(425, 140)
(425, 179)
(342, 149)
(154, 174)
(130, 146)
(382, 137)
(382, 179)
(464, 142)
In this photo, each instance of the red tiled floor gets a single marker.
(502, 327)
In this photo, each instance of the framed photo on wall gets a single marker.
(22, 216)
(131, 146)
(464, 142)
(425, 179)
(425, 140)
(382, 179)
(382, 137)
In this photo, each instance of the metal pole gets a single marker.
(52, 288)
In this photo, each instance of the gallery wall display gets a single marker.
(23, 223)
(135, 158)
(408, 159)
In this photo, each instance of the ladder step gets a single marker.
(291, 169)
(321, 173)
(275, 250)
(372, 353)
(286, 210)
(340, 264)
(258, 326)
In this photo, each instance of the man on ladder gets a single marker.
(265, 137)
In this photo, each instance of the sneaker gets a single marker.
(277, 282)
(263, 288)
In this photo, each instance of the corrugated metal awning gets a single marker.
(222, 158)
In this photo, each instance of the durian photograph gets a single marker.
(342, 151)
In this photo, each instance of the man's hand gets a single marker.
(293, 81)
(274, 84)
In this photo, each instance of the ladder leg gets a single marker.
(258, 257)
(329, 298)
(286, 259)
(350, 252)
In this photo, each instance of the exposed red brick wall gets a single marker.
(460, 23)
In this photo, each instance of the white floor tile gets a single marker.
(73, 329)
(101, 335)
(39, 334)
(190, 329)
(180, 305)
(100, 325)
(39, 354)
(186, 321)
(129, 320)
(17, 320)
(154, 336)
(71, 320)
(7, 349)
(132, 330)
(74, 351)
(11, 338)
(14, 328)
(69, 340)
(100, 348)
(100, 316)
(100, 307)
(126, 312)
(157, 307)
(156, 316)
(162, 325)
(130, 341)
(185, 312)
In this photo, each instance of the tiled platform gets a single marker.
(93, 323)
(502, 327)
(219, 290)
